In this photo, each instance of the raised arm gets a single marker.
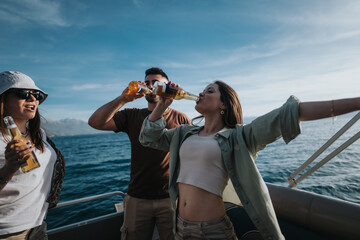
(102, 118)
(160, 108)
(323, 109)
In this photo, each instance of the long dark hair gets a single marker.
(233, 112)
(33, 126)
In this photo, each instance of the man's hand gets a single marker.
(128, 96)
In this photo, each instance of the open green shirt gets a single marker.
(239, 147)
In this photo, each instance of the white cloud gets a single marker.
(39, 11)
(9, 17)
(137, 3)
(101, 87)
(338, 14)
(86, 87)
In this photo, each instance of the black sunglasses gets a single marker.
(26, 94)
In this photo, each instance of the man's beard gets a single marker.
(152, 98)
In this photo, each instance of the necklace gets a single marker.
(26, 133)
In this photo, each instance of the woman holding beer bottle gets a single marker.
(31, 167)
(207, 163)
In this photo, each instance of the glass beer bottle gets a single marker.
(136, 87)
(170, 91)
(32, 162)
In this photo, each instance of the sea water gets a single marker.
(100, 163)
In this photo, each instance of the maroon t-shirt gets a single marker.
(149, 172)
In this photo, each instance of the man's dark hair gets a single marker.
(155, 70)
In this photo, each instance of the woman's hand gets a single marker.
(160, 108)
(166, 102)
(162, 105)
(16, 154)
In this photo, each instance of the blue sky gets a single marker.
(84, 53)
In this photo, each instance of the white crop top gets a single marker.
(202, 165)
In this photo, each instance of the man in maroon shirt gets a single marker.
(147, 202)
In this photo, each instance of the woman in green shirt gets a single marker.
(200, 212)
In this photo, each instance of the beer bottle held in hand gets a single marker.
(169, 91)
(136, 87)
(32, 162)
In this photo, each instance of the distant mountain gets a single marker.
(67, 127)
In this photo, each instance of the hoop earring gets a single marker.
(222, 112)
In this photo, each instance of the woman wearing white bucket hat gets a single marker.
(28, 195)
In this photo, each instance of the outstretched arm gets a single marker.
(323, 109)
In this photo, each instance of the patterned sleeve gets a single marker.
(57, 177)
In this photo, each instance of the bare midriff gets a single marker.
(198, 205)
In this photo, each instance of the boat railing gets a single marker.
(82, 200)
(91, 198)
(291, 179)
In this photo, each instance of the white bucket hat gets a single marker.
(13, 79)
